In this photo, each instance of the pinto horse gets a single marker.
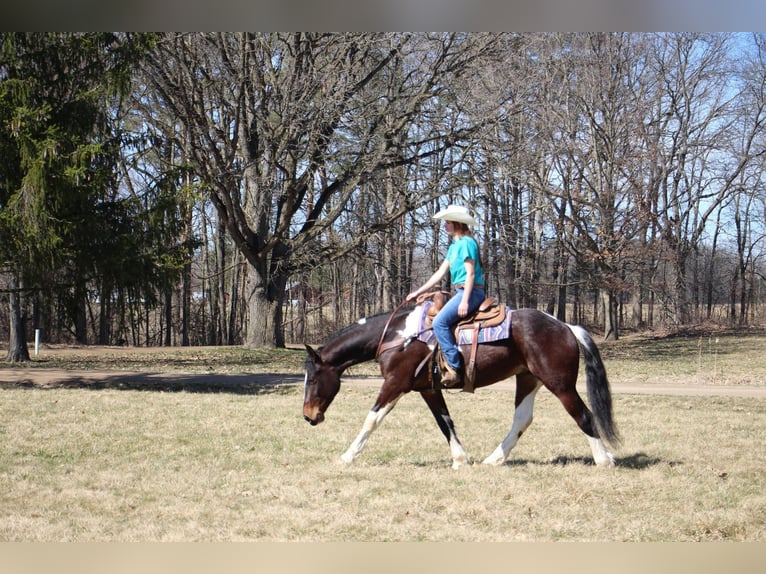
(540, 351)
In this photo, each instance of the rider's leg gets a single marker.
(443, 330)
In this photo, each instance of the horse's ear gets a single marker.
(313, 354)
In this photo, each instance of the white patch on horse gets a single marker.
(581, 335)
(362, 321)
(459, 455)
(601, 455)
(412, 325)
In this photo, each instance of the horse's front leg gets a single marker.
(371, 423)
(435, 401)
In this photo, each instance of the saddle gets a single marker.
(488, 314)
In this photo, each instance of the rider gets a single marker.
(467, 280)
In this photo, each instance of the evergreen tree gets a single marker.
(58, 95)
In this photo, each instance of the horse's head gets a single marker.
(321, 385)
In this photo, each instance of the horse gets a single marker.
(540, 351)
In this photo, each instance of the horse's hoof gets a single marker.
(606, 462)
(346, 459)
(495, 459)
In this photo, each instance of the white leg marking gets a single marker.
(601, 454)
(372, 422)
(459, 455)
(522, 418)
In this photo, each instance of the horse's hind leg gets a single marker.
(435, 401)
(527, 386)
(577, 409)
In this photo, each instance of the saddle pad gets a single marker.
(465, 336)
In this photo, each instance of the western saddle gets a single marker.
(489, 314)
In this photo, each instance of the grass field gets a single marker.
(725, 358)
(131, 465)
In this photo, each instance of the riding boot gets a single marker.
(452, 378)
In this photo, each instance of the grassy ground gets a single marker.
(718, 358)
(129, 465)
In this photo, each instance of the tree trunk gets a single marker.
(168, 317)
(186, 291)
(680, 296)
(17, 350)
(609, 304)
(259, 312)
(221, 326)
(234, 306)
(79, 312)
(105, 315)
(563, 278)
(264, 304)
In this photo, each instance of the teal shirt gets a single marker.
(460, 250)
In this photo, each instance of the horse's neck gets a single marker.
(348, 354)
(354, 346)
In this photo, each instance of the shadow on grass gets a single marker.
(637, 461)
(246, 384)
(640, 461)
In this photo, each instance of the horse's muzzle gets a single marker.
(315, 421)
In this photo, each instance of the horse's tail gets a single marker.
(599, 395)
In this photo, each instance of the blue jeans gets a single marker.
(446, 319)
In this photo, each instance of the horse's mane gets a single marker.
(366, 322)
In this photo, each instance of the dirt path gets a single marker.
(250, 383)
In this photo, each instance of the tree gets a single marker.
(695, 118)
(746, 149)
(596, 170)
(286, 128)
(58, 158)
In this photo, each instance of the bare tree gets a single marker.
(286, 128)
(595, 156)
(745, 148)
(696, 122)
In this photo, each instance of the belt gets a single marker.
(462, 285)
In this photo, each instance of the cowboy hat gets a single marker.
(456, 213)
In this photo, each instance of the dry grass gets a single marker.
(115, 465)
(171, 359)
(706, 357)
(713, 357)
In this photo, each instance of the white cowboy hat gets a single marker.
(456, 213)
